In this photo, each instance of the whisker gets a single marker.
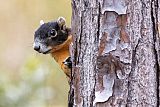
(31, 43)
(36, 54)
(30, 46)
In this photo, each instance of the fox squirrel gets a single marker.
(54, 38)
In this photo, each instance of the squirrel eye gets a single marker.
(53, 33)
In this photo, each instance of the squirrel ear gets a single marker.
(41, 22)
(61, 22)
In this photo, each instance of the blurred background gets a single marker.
(27, 78)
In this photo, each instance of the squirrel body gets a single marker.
(54, 38)
(61, 53)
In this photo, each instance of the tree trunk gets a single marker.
(116, 53)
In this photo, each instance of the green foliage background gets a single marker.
(27, 78)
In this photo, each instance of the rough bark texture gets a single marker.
(116, 53)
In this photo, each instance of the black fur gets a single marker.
(43, 34)
(68, 62)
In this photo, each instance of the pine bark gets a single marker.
(115, 53)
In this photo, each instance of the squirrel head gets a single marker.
(49, 35)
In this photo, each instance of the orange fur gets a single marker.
(61, 52)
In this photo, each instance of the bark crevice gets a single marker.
(99, 19)
(154, 18)
(133, 64)
(80, 37)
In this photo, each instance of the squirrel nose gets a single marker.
(37, 48)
